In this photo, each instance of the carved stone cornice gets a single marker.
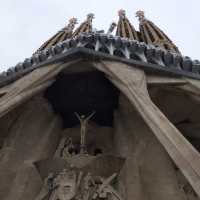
(103, 46)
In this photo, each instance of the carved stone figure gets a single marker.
(146, 95)
(66, 149)
(84, 122)
(70, 184)
(60, 187)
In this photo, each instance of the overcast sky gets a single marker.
(26, 24)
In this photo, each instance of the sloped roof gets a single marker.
(125, 47)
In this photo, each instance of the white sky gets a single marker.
(26, 24)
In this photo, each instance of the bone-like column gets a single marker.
(130, 185)
(132, 82)
(34, 136)
(29, 85)
(148, 172)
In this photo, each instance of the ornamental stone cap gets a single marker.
(140, 15)
(122, 13)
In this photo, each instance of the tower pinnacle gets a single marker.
(71, 25)
(152, 34)
(140, 15)
(122, 14)
(124, 28)
(86, 26)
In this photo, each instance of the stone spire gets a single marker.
(151, 34)
(125, 28)
(86, 26)
(60, 36)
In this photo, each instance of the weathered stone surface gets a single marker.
(132, 82)
(149, 172)
(34, 136)
(26, 184)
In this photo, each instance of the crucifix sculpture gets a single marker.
(83, 122)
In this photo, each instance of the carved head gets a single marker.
(66, 183)
(82, 116)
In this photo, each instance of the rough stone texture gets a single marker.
(147, 175)
(33, 137)
(6, 123)
(185, 115)
(177, 105)
(149, 172)
(97, 137)
(132, 82)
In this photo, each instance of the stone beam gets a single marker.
(29, 85)
(165, 80)
(132, 82)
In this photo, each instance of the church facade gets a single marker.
(94, 115)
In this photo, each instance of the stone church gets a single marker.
(101, 115)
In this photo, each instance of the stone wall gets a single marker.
(149, 173)
(34, 136)
(33, 132)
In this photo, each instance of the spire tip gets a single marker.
(73, 20)
(140, 15)
(122, 13)
(90, 16)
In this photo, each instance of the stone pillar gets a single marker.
(149, 173)
(34, 136)
(124, 143)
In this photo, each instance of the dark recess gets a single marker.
(83, 93)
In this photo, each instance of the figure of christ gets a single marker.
(84, 122)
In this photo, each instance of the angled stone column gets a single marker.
(148, 172)
(130, 184)
(132, 82)
(34, 136)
